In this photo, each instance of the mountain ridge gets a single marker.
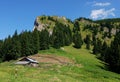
(105, 28)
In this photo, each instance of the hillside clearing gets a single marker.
(52, 59)
(92, 69)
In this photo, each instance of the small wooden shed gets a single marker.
(27, 61)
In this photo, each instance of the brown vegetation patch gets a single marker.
(51, 59)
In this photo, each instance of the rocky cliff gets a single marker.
(48, 22)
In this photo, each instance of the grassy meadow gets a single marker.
(86, 68)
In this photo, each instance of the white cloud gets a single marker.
(102, 13)
(102, 4)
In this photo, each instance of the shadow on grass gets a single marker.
(107, 67)
(104, 67)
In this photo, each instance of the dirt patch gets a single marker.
(52, 59)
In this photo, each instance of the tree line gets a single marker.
(28, 43)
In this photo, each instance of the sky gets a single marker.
(20, 14)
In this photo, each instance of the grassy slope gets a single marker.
(90, 71)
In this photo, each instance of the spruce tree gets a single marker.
(95, 29)
(77, 40)
(6, 49)
(93, 39)
(44, 40)
(26, 46)
(16, 46)
(87, 41)
(57, 36)
(67, 35)
(56, 43)
(97, 45)
(35, 36)
(76, 26)
(104, 51)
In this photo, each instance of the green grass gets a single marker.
(91, 69)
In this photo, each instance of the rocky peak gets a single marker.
(48, 22)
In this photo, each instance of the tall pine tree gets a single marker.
(58, 36)
(77, 40)
(35, 36)
(26, 46)
(87, 41)
(44, 40)
(104, 51)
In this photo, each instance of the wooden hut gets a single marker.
(27, 61)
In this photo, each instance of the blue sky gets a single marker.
(20, 14)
